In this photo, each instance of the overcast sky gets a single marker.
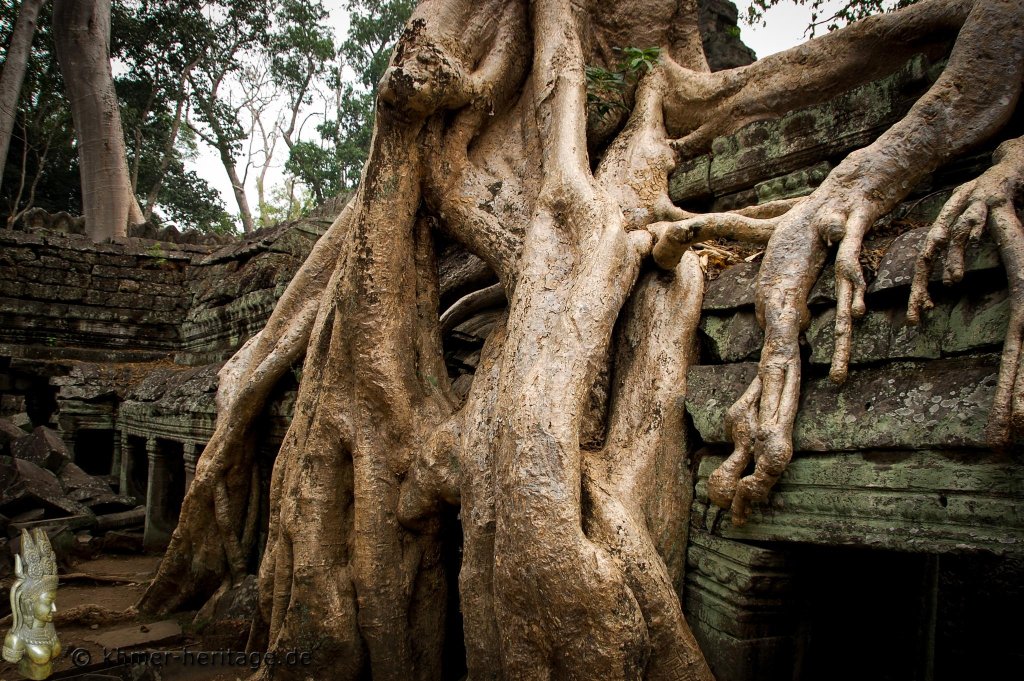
(785, 28)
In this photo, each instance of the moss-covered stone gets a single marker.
(881, 335)
(734, 288)
(769, 149)
(931, 501)
(977, 321)
(734, 338)
(897, 267)
(903, 405)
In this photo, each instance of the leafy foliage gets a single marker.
(334, 162)
(850, 11)
(608, 90)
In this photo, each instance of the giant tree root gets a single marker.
(566, 459)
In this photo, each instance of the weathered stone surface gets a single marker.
(9, 435)
(738, 602)
(797, 183)
(44, 448)
(768, 149)
(824, 290)
(977, 321)
(226, 618)
(65, 523)
(22, 420)
(135, 635)
(74, 478)
(897, 267)
(720, 35)
(27, 486)
(734, 288)
(117, 541)
(691, 180)
(931, 501)
(903, 405)
(93, 492)
(735, 338)
(96, 382)
(881, 335)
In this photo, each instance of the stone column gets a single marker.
(124, 469)
(738, 603)
(156, 533)
(191, 457)
(68, 436)
(115, 459)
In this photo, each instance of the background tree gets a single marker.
(230, 33)
(151, 42)
(43, 162)
(566, 459)
(823, 16)
(81, 31)
(335, 161)
(13, 73)
(302, 50)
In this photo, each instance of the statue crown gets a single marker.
(37, 561)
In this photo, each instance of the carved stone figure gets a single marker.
(32, 641)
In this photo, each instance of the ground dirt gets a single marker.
(175, 635)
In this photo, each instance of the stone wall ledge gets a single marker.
(734, 287)
(925, 501)
(901, 405)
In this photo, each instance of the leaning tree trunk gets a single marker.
(15, 63)
(567, 457)
(81, 30)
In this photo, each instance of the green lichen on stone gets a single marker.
(737, 337)
(881, 335)
(932, 501)
(902, 405)
(769, 149)
(977, 321)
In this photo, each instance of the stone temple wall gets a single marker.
(895, 538)
(65, 297)
(117, 345)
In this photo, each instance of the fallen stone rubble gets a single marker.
(41, 487)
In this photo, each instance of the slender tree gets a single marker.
(13, 73)
(566, 457)
(230, 33)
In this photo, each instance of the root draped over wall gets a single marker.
(567, 458)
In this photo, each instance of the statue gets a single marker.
(32, 641)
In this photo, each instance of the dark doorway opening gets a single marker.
(174, 459)
(453, 661)
(864, 615)
(94, 451)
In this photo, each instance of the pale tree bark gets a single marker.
(567, 457)
(13, 74)
(81, 31)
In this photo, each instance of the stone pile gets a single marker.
(41, 487)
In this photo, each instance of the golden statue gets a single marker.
(32, 641)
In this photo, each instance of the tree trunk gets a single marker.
(81, 31)
(13, 74)
(567, 457)
(238, 188)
